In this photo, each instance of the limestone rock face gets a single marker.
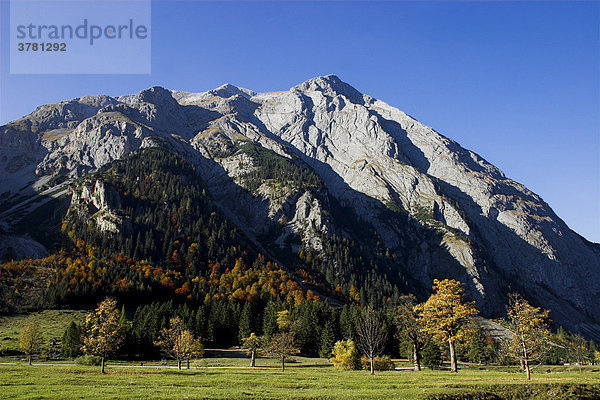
(101, 204)
(442, 209)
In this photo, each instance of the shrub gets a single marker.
(345, 355)
(88, 359)
(383, 363)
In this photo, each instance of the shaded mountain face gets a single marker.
(301, 170)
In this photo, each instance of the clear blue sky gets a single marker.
(516, 82)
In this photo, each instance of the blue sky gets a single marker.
(516, 82)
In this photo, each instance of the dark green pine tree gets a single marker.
(432, 356)
(71, 341)
(123, 317)
(270, 320)
(327, 340)
(245, 322)
(347, 323)
(477, 346)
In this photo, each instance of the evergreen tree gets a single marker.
(327, 340)
(270, 320)
(477, 346)
(432, 356)
(245, 322)
(71, 341)
(347, 323)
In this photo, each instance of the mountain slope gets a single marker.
(301, 170)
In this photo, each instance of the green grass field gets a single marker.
(305, 378)
(224, 374)
(52, 322)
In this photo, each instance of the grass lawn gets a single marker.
(305, 378)
(52, 322)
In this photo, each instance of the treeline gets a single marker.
(441, 329)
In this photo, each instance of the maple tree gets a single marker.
(103, 333)
(179, 343)
(252, 343)
(371, 336)
(31, 339)
(410, 327)
(528, 326)
(281, 346)
(446, 315)
(345, 355)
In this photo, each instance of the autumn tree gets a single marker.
(192, 347)
(370, 335)
(103, 334)
(446, 315)
(252, 343)
(31, 339)
(410, 328)
(284, 321)
(281, 346)
(179, 343)
(345, 355)
(528, 326)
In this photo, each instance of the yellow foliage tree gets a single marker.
(446, 315)
(252, 343)
(179, 343)
(103, 333)
(345, 355)
(284, 321)
(31, 339)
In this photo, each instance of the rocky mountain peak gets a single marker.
(156, 95)
(228, 90)
(331, 86)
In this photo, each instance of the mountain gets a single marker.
(320, 178)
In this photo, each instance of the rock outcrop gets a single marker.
(97, 203)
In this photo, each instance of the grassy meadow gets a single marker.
(223, 375)
(52, 322)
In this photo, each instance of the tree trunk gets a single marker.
(102, 365)
(29, 359)
(283, 364)
(526, 360)
(188, 363)
(416, 357)
(522, 365)
(372, 366)
(179, 364)
(453, 365)
(253, 358)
